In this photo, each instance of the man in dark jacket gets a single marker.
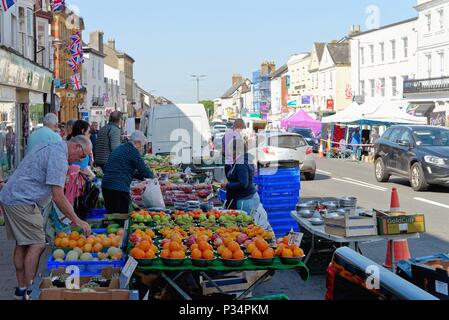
(109, 138)
(94, 134)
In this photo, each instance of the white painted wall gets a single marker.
(385, 66)
(276, 95)
(116, 95)
(93, 80)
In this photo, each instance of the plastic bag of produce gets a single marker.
(152, 198)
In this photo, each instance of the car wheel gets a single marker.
(417, 178)
(310, 176)
(380, 171)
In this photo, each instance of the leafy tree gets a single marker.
(209, 106)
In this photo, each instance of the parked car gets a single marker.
(308, 135)
(219, 128)
(419, 153)
(277, 147)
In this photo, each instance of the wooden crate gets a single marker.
(351, 226)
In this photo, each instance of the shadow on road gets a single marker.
(318, 177)
(406, 183)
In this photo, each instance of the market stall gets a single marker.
(302, 119)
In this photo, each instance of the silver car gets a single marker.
(275, 147)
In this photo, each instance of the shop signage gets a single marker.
(330, 104)
(85, 117)
(306, 100)
(18, 72)
(292, 103)
(287, 82)
(438, 119)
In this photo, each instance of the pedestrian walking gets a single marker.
(120, 170)
(47, 133)
(10, 147)
(94, 134)
(109, 139)
(39, 178)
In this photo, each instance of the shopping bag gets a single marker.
(152, 198)
(261, 218)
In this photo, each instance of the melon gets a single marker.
(58, 254)
(113, 251)
(86, 257)
(72, 256)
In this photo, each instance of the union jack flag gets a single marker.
(72, 64)
(6, 4)
(57, 5)
(76, 39)
(76, 82)
(77, 53)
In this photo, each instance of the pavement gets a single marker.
(335, 178)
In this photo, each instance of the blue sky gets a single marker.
(173, 39)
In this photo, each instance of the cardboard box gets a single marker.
(233, 283)
(393, 223)
(351, 226)
(112, 292)
(433, 277)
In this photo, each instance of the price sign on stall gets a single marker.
(295, 238)
(127, 272)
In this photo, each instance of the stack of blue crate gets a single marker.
(279, 193)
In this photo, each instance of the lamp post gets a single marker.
(198, 79)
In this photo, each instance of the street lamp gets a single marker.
(198, 79)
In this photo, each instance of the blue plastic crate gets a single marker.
(282, 231)
(280, 185)
(279, 193)
(286, 199)
(87, 268)
(406, 265)
(280, 207)
(222, 195)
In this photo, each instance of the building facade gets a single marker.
(277, 91)
(300, 84)
(314, 71)
(428, 93)
(236, 100)
(261, 89)
(335, 91)
(25, 80)
(94, 105)
(124, 63)
(382, 59)
(65, 24)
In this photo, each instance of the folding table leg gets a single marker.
(175, 286)
(212, 281)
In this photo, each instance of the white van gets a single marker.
(170, 128)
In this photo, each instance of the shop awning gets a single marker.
(424, 109)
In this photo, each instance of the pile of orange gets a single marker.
(148, 234)
(90, 244)
(202, 251)
(260, 249)
(144, 250)
(174, 249)
(230, 250)
(257, 232)
(288, 251)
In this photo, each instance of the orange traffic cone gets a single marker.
(400, 247)
(321, 152)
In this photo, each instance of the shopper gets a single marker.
(10, 147)
(94, 134)
(231, 142)
(39, 178)
(119, 172)
(45, 134)
(241, 191)
(108, 139)
(69, 128)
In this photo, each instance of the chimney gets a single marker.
(355, 29)
(96, 40)
(236, 78)
(111, 44)
(267, 68)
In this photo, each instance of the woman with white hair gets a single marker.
(119, 171)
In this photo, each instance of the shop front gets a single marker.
(25, 94)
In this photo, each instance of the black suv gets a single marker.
(419, 153)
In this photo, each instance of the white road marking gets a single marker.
(325, 172)
(365, 183)
(361, 185)
(432, 202)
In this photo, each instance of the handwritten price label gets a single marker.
(295, 239)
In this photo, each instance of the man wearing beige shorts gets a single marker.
(39, 178)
